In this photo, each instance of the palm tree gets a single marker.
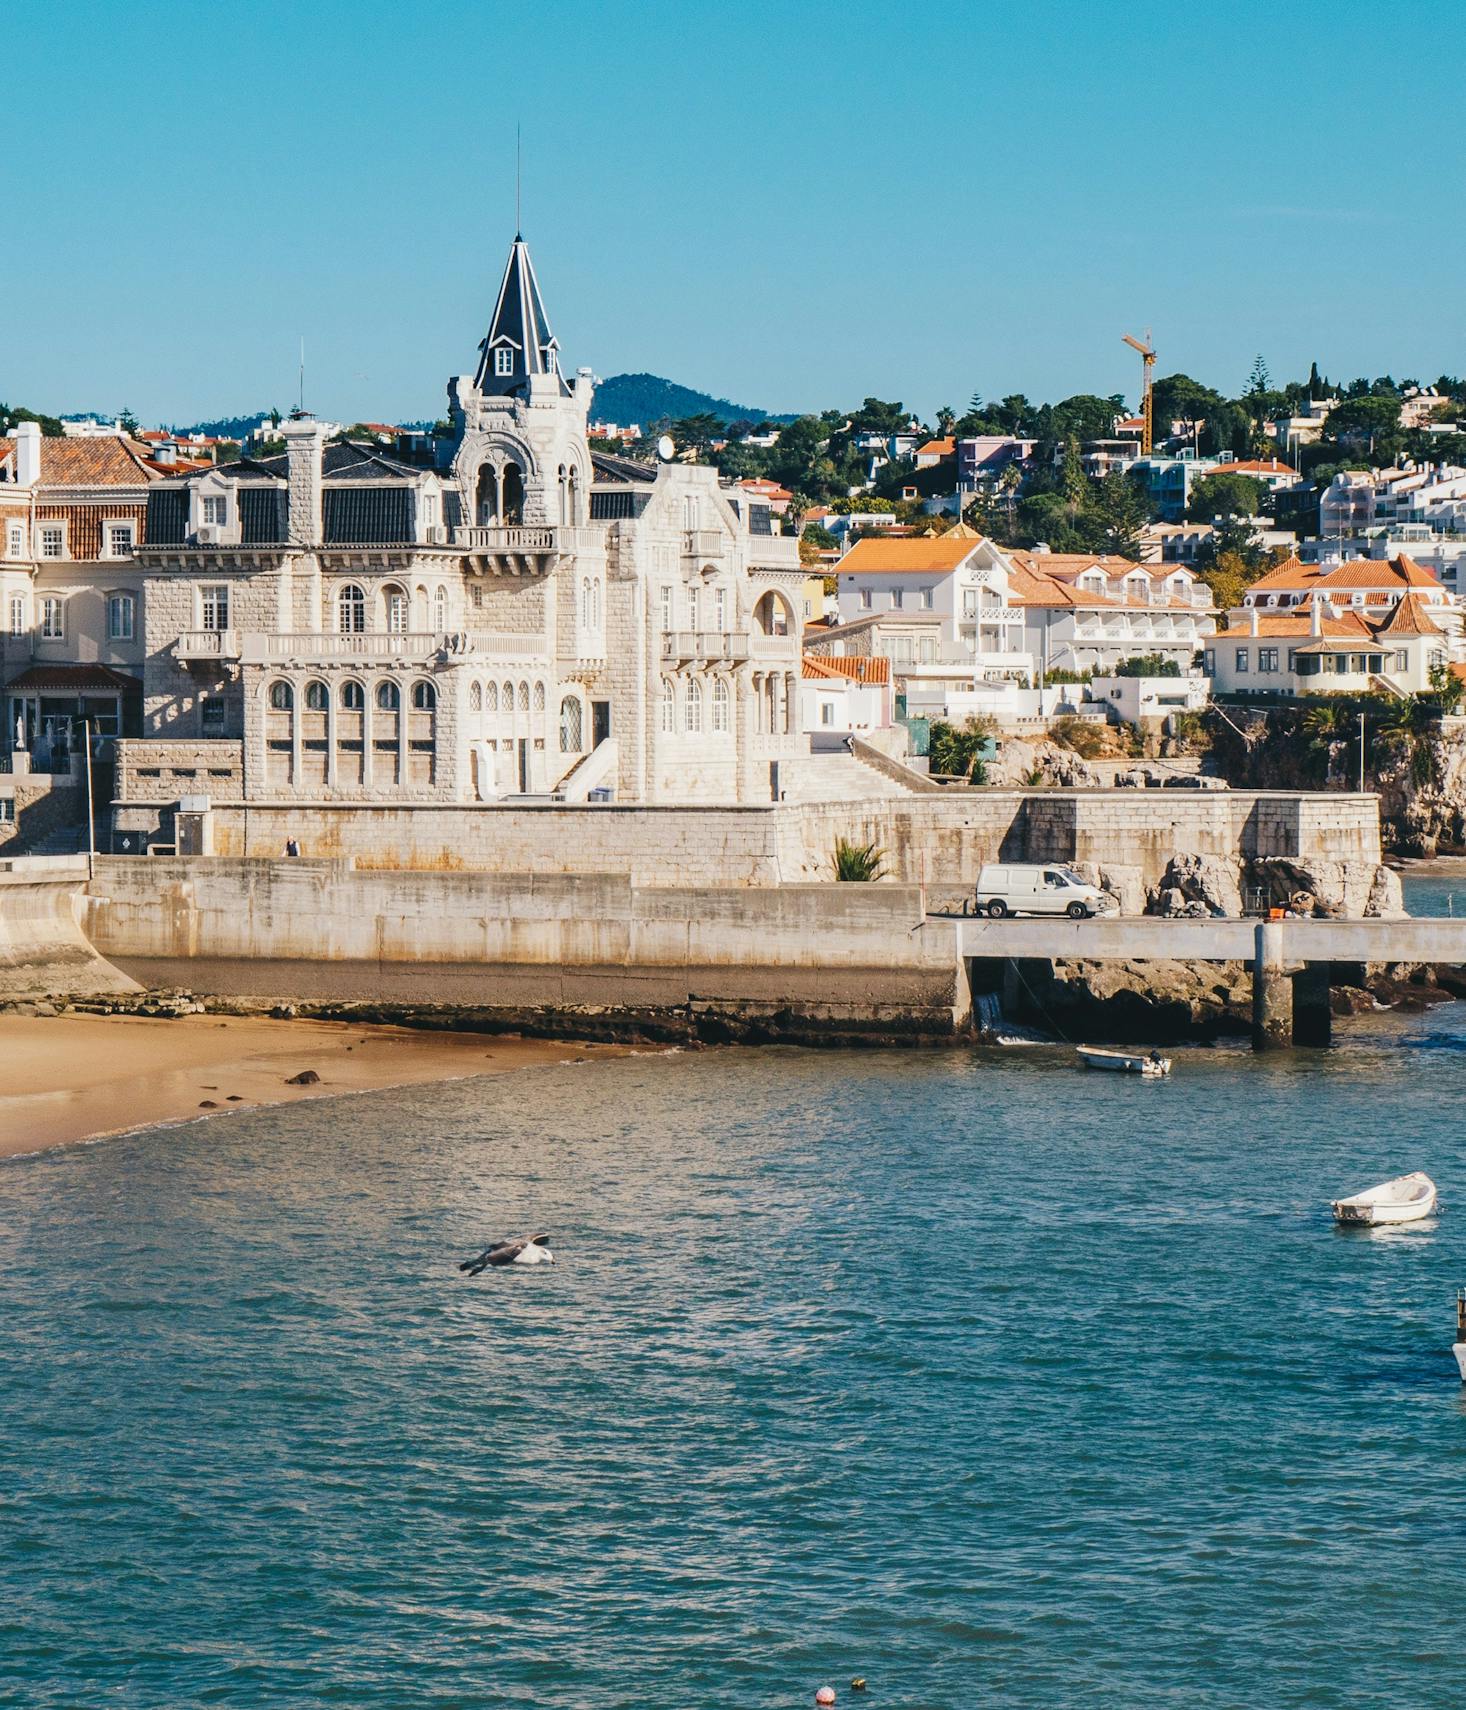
(858, 863)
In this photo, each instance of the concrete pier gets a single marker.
(1272, 990)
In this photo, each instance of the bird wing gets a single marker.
(506, 1252)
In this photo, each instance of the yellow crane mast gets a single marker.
(1147, 362)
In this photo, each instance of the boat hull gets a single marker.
(1124, 1062)
(1382, 1205)
(1459, 1350)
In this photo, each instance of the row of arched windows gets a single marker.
(684, 710)
(591, 613)
(317, 696)
(373, 736)
(394, 609)
(510, 697)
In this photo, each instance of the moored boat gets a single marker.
(1404, 1199)
(1459, 1348)
(1150, 1064)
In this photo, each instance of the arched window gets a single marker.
(424, 697)
(564, 497)
(720, 705)
(475, 698)
(596, 615)
(317, 696)
(282, 696)
(397, 609)
(539, 697)
(585, 618)
(524, 697)
(570, 725)
(351, 610)
(507, 703)
(669, 706)
(491, 697)
(693, 705)
(772, 615)
(440, 609)
(353, 696)
(512, 511)
(388, 697)
(574, 496)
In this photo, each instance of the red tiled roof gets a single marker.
(1254, 466)
(924, 554)
(937, 448)
(860, 668)
(1410, 617)
(107, 461)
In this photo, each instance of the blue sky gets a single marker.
(792, 205)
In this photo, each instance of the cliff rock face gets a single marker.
(1343, 890)
(1142, 1001)
(1198, 885)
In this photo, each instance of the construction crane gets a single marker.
(1147, 360)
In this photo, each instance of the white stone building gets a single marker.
(513, 617)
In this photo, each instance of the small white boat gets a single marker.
(1459, 1348)
(1406, 1199)
(1151, 1064)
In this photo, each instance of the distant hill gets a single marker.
(646, 398)
(226, 427)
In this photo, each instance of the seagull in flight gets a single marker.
(527, 1250)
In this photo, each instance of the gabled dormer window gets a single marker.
(215, 510)
(503, 360)
(549, 359)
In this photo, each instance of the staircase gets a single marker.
(836, 778)
(65, 840)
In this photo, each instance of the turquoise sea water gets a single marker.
(990, 1381)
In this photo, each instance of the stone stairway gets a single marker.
(65, 840)
(835, 778)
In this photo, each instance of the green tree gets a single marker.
(1225, 495)
(946, 421)
(1370, 419)
(50, 426)
(958, 750)
(128, 422)
(696, 433)
(1259, 381)
(819, 537)
(1147, 665)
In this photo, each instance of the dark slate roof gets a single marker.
(623, 469)
(521, 326)
(349, 460)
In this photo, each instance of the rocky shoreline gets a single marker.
(1171, 1003)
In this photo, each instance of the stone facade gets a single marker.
(514, 619)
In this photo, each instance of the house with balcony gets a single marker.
(505, 616)
(73, 516)
(1087, 612)
(1319, 646)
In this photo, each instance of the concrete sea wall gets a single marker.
(43, 950)
(940, 839)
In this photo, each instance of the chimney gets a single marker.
(1315, 617)
(305, 441)
(27, 437)
(1252, 612)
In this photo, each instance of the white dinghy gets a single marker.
(1406, 1199)
(1150, 1064)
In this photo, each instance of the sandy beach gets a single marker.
(78, 1077)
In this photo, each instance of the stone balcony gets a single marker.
(684, 646)
(333, 648)
(206, 644)
(523, 550)
(703, 543)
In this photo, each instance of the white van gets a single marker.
(1038, 889)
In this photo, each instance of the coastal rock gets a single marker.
(1386, 900)
(1203, 880)
(306, 1078)
(1336, 890)
(1149, 1001)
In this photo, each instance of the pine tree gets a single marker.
(1259, 380)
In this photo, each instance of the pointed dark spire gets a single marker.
(519, 341)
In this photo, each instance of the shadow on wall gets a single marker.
(43, 814)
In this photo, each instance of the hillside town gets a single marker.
(525, 602)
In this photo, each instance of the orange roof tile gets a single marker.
(932, 555)
(1254, 466)
(937, 448)
(1410, 617)
(106, 461)
(859, 668)
(1292, 626)
(1379, 573)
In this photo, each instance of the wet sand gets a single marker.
(77, 1077)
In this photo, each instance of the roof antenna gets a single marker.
(300, 409)
(518, 161)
